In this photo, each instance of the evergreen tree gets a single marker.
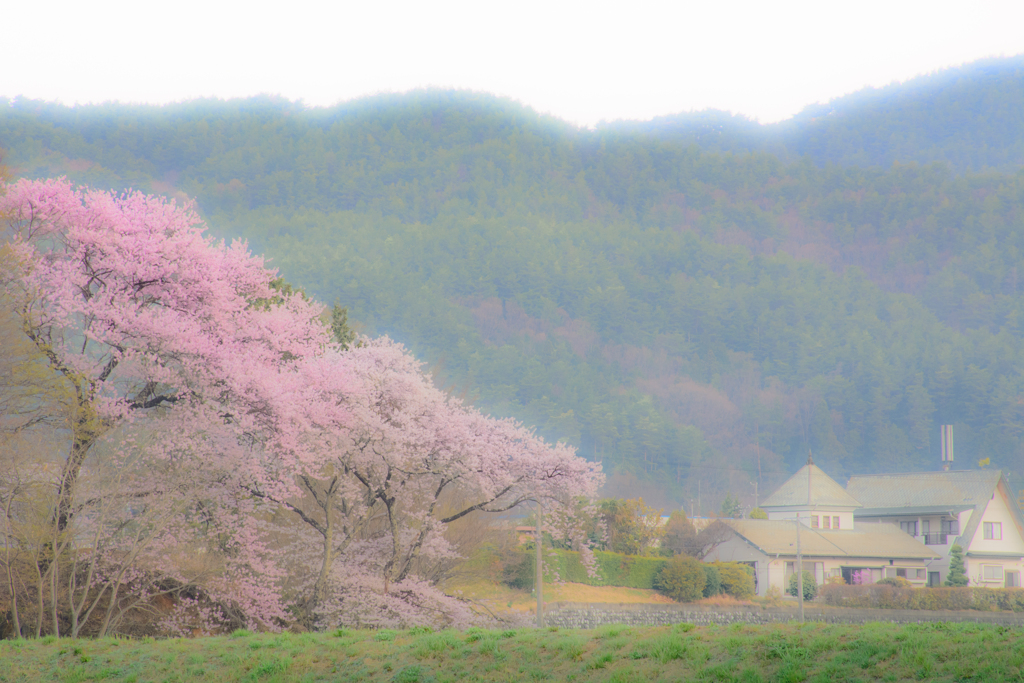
(731, 507)
(810, 586)
(957, 574)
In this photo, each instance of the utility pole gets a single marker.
(540, 572)
(799, 556)
(799, 570)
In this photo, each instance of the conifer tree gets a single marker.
(957, 574)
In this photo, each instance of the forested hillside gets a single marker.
(695, 311)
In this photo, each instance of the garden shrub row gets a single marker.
(613, 569)
(937, 598)
(633, 571)
(685, 579)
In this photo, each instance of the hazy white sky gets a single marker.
(581, 61)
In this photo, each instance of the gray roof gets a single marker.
(924, 510)
(824, 491)
(983, 554)
(930, 490)
(950, 491)
(871, 540)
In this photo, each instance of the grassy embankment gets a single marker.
(742, 653)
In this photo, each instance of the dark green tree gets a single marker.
(957, 573)
(731, 507)
(810, 585)
(678, 535)
(682, 579)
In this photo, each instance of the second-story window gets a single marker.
(909, 527)
(814, 521)
(993, 531)
(991, 572)
(835, 522)
(825, 521)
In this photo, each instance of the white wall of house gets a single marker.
(775, 570)
(997, 512)
(926, 528)
(997, 532)
(737, 550)
(808, 515)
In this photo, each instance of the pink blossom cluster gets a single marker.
(325, 476)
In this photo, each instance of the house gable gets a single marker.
(1005, 531)
(815, 497)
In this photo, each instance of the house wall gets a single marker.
(998, 511)
(932, 537)
(737, 550)
(845, 516)
(770, 570)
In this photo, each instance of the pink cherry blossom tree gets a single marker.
(346, 456)
(388, 463)
(141, 314)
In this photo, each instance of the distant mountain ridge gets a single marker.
(970, 117)
(688, 300)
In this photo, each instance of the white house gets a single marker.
(830, 542)
(973, 509)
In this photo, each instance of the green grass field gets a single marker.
(783, 652)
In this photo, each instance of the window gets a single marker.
(909, 527)
(991, 572)
(1012, 580)
(825, 521)
(993, 532)
(902, 573)
(951, 526)
(814, 521)
(835, 522)
(919, 574)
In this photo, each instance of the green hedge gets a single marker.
(613, 569)
(895, 597)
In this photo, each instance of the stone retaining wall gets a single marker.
(592, 615)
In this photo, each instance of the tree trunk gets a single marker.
(320, 588)
(10, 571)
(86, 430)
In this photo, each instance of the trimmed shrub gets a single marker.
(682, 579)
(897, 581)
(613, 569)
(737, 579)
(887, 596)
(712, 581)
(630, 571)
(957, 575)
(810, 586)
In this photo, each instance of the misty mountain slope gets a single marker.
(688, 318)
(969, 117)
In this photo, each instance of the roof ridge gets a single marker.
(910, 474)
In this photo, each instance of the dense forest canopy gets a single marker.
(696, 301)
